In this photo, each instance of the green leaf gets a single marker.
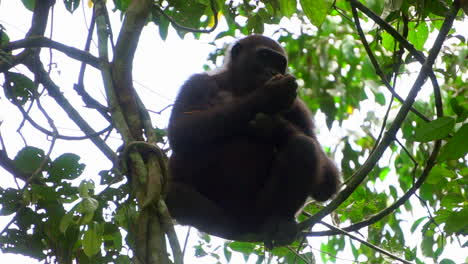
(67, 219)
(227, 252)
(243, 247)
(437, 173)
(87, 205)
(121, 5)
(418, 34)
(123, 259)
(437, 7)
(327, 106)
(316, 10)
(29, 159)
(18, 87)
(383, 174)
(447, 261)
(4, 38)
(162, 22)
(85, 188)
(65, 167)
(457, 146)
(71, 5)
(186, 13)
(459, 106)
(380, 98)
(451, 200)
(10, 200)
(388, 42)
(456, 222)
(288, 7)
(29, 4)
(255, 24)
(416, 223)
(377, 6)
(91, 242)
(437, 129)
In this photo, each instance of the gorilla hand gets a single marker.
(278, 94)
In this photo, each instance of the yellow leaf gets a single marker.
(211, 23)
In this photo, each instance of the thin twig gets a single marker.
(160, 111)
(186, 240)
(298, 255)
(403, 41)
(79, 86)
(34, 65)
(416, 164)
(28, 118)
(376, 65)
(374, 247)
(41, 41)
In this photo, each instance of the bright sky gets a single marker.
(159, 70)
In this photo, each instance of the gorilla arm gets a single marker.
(194, 122)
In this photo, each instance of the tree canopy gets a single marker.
(388, 79)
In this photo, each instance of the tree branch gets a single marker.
(362, 172)
(79, 86)
(38, 26)
(35, 65)
(377, 217)
(122, 65)
(43, 42)
(9, 165)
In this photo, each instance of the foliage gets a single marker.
(58, 214)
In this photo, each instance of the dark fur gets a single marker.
(245, 156)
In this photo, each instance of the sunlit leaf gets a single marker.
(243, 247)
(288, 7)
(91, 242)
(316, 10)
(418, 33)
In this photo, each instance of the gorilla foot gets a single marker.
(279, 231)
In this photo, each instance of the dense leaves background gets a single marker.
(357, 84)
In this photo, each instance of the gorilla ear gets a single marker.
(236, 50)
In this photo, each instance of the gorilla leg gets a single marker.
(295, 170)
(190, 207)
(328, 180)
(300, 169)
